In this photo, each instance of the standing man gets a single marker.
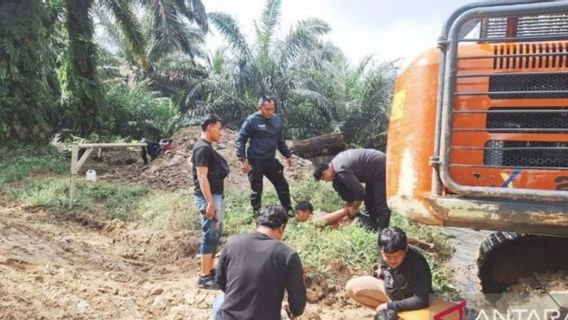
(348, 170)
(263, 131)
(403, 281)
(209, 171)
(256, 268)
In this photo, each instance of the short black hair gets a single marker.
(272, 216)
(210, 119)
(392, 240)
(304, 205)
(386, 315)
(266, 98)
(319, 169)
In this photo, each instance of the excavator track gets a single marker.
(504, 257)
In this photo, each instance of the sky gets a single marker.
(388, 29)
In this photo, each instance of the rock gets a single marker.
(157, 291)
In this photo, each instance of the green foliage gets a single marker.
(367, 119)
(18, 162)
(169, 211)
(264, 67)
(117, 200)
(137, 112)
(81, 89)
(325, 250)
(28, 91)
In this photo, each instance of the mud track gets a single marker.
(76, 267)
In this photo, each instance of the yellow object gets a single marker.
(437, 307)
(397, 111)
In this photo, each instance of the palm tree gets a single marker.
(82, 91)
(170, 68)
(267, 66)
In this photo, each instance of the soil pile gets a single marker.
(170, 171)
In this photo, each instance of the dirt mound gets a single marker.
(169, 171)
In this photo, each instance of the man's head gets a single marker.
(273, 219)
(267, 106)
(304, 210)
(324, 171)
(211, 128)
(393, 246)
(386, 315)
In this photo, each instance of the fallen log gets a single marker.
(325, 145)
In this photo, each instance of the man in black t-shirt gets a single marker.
(403, 281)
(209, 170)
(254, 271)
(348, 171)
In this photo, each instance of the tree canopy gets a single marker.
(140, 68)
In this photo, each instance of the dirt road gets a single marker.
(80, 268)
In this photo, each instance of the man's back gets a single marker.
(254, 270)
(365, 164)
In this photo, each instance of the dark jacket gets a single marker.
(254, 271)
(408, 286)
(263, 136)
(356, 166)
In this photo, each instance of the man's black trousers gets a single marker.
(376, 203)
(274, 171)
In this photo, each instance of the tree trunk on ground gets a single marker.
(325, 145)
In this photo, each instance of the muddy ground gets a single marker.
(73, 267)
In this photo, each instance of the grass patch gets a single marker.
(170, 211)
(19, 162)
(324, 250)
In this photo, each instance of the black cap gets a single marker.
(272, 217)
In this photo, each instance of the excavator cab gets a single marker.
(478, 135)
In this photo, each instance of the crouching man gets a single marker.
(403, 281)
(256, 268)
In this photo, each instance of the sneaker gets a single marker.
(207, 282)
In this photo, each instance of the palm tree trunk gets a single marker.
(83, 83)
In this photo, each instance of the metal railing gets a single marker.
(448, 83)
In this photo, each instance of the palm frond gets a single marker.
(230, 30)
(126, 19)
(269, 21)
(302, 36)
(324, 105)
(170, 32)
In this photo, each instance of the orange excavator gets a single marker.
(478, 136)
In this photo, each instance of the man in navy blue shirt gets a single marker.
(263, 133)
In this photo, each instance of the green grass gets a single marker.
(18, 162)
(169, 211)
(324, 251)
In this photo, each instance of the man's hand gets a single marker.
(351, 212)
(382, 306)
(286, 307)
(210, 211)
(289, 162)
(245, 168)
(378, 273)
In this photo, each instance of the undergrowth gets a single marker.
(324, 251)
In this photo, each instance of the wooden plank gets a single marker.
(111, 145)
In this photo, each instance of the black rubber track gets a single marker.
(504, 257)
